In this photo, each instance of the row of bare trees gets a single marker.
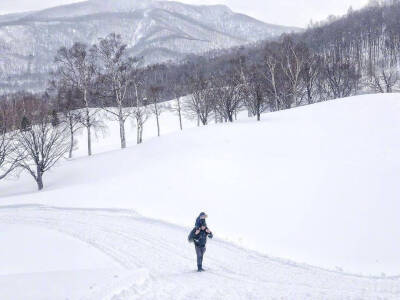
(346, 56)
(103, 77)
(271, 76)
(37, 131)
(279, 75)
(367, 39)
(357, 53)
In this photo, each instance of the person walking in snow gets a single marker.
(200, 239)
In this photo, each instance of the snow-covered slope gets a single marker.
(316, 185)
(156, 262)
(156, 30)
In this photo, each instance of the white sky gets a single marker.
(283, 12)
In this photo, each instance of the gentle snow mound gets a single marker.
(317, 184)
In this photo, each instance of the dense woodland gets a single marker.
(353, 54)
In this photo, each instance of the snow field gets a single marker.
(317, 185)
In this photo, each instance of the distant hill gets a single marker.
(157, 30)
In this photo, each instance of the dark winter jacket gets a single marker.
(200, 239)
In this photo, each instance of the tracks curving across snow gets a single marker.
(161, 262)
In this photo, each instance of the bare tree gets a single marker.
(141, 115)
(117, 77)
(154, 97)
(178, 109)
(229, 91)
(178, 91)
(76, 68)
(71, 115)
(139, 105)
(9, 157)
(7, 164)
(384, 77)
(292, 64)
(42, 145)
(342, 78)
(201, 102)
(271, 74)
(255, 92)
(310, 73)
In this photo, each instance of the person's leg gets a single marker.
(203, 250)
(199, 254)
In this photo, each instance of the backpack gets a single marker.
(191, 235)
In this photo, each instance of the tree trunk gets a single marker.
(157, 118)
(180, 113)
(180, 120)
(141, 134)
(308, 91)
(89, 133)
(259, 106)
(158, 125)
(71, 130)
(275, 92)
(121, 128)
(71, 147)
(89, 140)
(122, 134)
(88, 122)
(137, 133)
(39, 179)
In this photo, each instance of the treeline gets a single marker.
(369, 39)
(346, 56)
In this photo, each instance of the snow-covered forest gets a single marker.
(291, 145)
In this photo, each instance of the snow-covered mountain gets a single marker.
(156, 30)
(318, 184)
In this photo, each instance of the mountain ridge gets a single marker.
(158, 30)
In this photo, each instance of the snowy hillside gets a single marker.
(157, 30)
(316, 185)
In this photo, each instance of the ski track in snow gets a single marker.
(162, 262)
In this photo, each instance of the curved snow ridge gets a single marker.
(162, 262)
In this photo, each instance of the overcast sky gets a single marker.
(284, 12)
